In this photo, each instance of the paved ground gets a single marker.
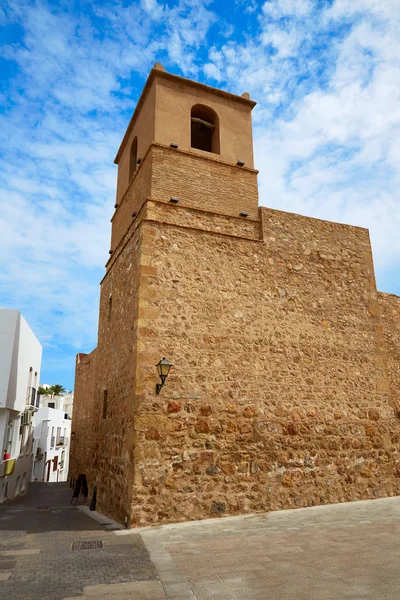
(339, 552)
(346, 551)
(36, 561)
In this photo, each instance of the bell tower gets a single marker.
(186, 144)
(186, 198)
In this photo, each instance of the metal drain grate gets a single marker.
(92, 545)
(42, 508)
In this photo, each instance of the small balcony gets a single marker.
(33, 398)
(8, 466)
(63, 441)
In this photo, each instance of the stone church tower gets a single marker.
(285, 385)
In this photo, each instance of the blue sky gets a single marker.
(325, 74)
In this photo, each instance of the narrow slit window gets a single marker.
(109, 307)
(133, 158)
(105, 402)
(204, 129)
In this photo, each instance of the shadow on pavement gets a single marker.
(46, 507)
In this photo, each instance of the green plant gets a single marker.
(57, 390)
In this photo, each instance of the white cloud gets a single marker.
(281, 8)
(153, 8)
(212, 71)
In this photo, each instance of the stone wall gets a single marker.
(119, 306)
(283, 352)
(104, 443)
(132, 201)
(279, 394)
(390, 311)
(82, 446)
(199, 182)
(203, 182)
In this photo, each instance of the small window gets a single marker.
(23, 431)
(105, 401)
(133, 159)
(8, 440)
(51, 405)
(204, 129)
(109, 307)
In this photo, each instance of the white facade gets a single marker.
(52, 435)
(64, 403)
(20, 361)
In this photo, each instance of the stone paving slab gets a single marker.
(152, 590)
(23, 552)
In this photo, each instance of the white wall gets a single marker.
(20, 361)
(29, 357)
(64, 403)
(47, 420)
(9, 324)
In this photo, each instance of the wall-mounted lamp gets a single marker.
(174, 145)
(241, 163)
(134, 214)
(174, 199)
(73, 435)
(116, 205)
(163, 368)
(244, 214)
(110, 252)
(139, 160)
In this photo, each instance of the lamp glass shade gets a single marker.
(163, 367)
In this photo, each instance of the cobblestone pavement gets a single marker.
(36, 560)
(337, 552)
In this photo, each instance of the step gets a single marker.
(140, 590)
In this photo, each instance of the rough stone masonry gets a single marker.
(286, 377)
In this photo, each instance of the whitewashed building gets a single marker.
(64, 402)
(20, 361)
(52, 436)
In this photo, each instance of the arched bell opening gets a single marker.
(204, 129)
